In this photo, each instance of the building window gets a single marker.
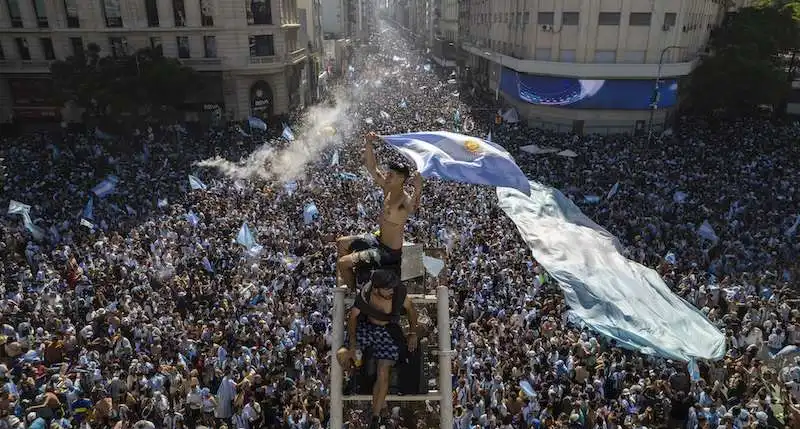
(526, 17)
(22, 48)
(155, 45)
(151, 8)
(570, 18)
(77, 46)
(71, 9)
(608, 18)
(567, 56)
(605, 57)
(2, 52)
(259, 12)
(543, 54)
(545, 18)
(210, 46)
(184, 50)
(118, 46)
(262, 46)
(47, 48)
(639, 19)
(112, 13)
(14, 13)
(206, 13)
(41, 13)
(179, 13)
(670, 18)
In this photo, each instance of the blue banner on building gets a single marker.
(572, 93)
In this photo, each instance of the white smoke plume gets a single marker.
(270, 162)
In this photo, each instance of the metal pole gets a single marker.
(445, 358)
(654, 104)
(337, 390)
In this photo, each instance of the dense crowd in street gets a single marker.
(149, 314)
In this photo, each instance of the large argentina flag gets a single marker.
(615, 296)
(460, 158)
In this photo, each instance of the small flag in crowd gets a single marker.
(460, 158)
(287, 133)
(347, 176)
(694, 370)
(361, 210)
(457, 116)
(291, 262)
(105, 187)
(671, 258)
(310, 213)
(88, 209)
(87, 224)
(613, 191)
(196, 183)
(679, 197)
(163, 203)
(335, 158)
(403, 103)
(591, 199)
(385, 116)
(101, 135)
(130, 210)
(706, 231)
(792, 229)
(246, 238)
(207, 265)
(257, 123)
(290, 187)
(489, 137)
(192, 218)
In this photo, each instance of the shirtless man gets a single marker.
(372, 332)
(386, 248)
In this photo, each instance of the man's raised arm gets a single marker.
(370, 162)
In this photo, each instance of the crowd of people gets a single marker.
(139, 309)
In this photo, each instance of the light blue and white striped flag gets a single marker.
(335, 158)
(613, 191)
(310, 213)
(106, 187)
(287, 133)
(88, 209)
(245, 237)
(192, 218)
(460, 158)
(196, 183)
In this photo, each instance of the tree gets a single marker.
(139, 84)
(746, 68)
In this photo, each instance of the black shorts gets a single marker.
(370, 252)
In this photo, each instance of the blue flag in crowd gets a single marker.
(361, 210)
(106, 187)
(347, 176)
(192, 218)
(460, 158)
(163, 203)
(613, 191)
(792, 229)
(101, 135)
(196, 183)
(310, 213)
(591, 199)
(335, 158)
(457, 116)
(706, 231)
(256, 123)
(290, 187)
(88, 210)
(207, 265)
(246, 238)
(287, 133)
(403, 104)
(694, 370)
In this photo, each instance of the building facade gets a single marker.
(251, 53)
(587, 65)
(345, 19)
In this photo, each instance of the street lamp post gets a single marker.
(656, 93)
(499, 74)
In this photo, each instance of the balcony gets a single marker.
(25, 66)
(264, 60)
(296, 56)
(290, 23)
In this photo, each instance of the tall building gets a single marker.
(355, 19)
(587, 65)
(250, 55)
(445, 43)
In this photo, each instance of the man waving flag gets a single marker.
(460, 158)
